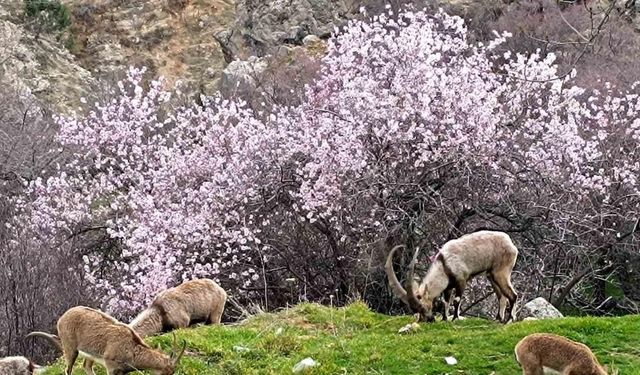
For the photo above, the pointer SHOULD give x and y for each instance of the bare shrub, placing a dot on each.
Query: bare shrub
(36, 283)
(597, 39)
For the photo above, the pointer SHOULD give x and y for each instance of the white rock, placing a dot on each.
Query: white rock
(240, 349)
(539, 308)
(409, 328)
(305, 364)
(451, 361)
(311, 39)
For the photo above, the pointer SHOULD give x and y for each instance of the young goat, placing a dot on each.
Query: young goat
(191, 302)
(457, 262)
(18, 366)
(101, 338)
(544, 353)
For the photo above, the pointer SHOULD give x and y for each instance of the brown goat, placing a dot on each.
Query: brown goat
(191, 302)
(101, 338)
(18, 366)
(194, 301)
(457, 262)
(542, 353)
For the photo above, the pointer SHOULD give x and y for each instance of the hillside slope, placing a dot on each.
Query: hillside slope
(354, 340)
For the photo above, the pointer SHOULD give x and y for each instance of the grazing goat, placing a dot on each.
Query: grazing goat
(191, 302)
(101, 338)
(195, 301)
(18, 366)
(542, 353)
(457, 262)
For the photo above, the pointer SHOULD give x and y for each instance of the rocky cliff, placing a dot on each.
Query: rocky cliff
(188, 40)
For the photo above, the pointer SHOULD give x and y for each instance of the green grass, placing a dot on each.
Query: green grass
(354, 340)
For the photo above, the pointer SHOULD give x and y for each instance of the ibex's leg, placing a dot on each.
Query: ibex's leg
(502, 300)
(532, 370)
(113, 368)
(460, 287)
(504, 282)
(88, 366)
(216, 314)
(70, 356)
(446, 295)
(180, 320)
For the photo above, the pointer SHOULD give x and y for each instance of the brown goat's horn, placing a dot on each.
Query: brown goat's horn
(184, 347)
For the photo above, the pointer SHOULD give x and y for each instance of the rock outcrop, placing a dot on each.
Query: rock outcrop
(41, 66)
(261, 25)
(539, 308)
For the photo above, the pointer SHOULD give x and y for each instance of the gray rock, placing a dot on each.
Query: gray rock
(310, 40)
(241, 74)
(539, 308)
(261, 25)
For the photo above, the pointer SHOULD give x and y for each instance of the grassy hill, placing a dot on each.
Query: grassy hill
(354, 340)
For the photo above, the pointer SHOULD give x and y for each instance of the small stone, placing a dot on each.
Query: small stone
(240, 349)
(452, 361)
(409, 328)
(305, 364)
(310, 40)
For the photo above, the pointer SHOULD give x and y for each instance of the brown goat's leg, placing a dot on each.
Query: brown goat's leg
(88, 366)
(113, 368)
(180, 320)
(216, 315)
(70, 356)
(532, 370)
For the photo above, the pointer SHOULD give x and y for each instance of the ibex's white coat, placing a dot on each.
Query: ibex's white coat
(18, 366)
(457, 262)
(101, 338)
(191, 302)
(544, 353)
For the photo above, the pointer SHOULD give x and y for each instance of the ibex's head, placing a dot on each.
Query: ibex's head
(416, 296)
(174, 358)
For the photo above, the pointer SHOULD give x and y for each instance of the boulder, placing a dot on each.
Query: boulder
(262, 25)
(242, 74)
(539, 308)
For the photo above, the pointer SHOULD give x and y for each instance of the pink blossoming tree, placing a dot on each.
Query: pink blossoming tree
(410, 130)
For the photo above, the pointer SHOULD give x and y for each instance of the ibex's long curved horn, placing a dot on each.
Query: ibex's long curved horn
(184, 347)
(412, 300)
(394, 283)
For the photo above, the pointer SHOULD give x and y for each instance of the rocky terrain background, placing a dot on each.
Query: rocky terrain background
(193, 41)
(188, 40)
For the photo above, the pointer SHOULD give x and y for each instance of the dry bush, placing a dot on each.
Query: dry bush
(37, 283)
(597, 39)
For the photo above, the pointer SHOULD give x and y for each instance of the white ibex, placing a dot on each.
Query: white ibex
(18, 366)
(195, 301)
(101, 338)
(457, 262)
(542, 353)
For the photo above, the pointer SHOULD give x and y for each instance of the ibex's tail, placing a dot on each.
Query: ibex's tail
(55, 340)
